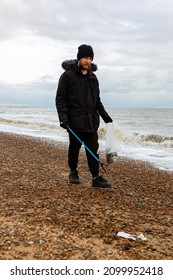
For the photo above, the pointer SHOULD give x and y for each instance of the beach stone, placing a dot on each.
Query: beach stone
(153, 249)
(8, 242)
(148, 230)
(130, 194)
(41, 241)
(139, 204)
(127, 247)
(79, 222)
(30, 242)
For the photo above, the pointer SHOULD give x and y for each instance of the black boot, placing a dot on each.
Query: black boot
(99, 182)
(73, 177)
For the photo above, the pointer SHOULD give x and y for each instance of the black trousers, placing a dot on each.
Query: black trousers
(90, 139)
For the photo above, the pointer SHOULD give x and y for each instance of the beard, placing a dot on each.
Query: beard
(84, 66)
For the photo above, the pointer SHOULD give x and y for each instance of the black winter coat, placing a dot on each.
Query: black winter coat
(78, 98)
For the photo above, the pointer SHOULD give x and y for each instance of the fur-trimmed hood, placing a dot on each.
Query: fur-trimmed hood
(70, 64)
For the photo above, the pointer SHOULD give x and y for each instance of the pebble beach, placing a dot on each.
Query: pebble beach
(44, 217)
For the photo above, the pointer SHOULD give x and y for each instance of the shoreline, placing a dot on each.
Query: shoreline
(64, 144)
(45, 217)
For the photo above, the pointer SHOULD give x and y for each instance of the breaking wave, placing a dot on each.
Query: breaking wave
(130, 137)
(41, 126)
(167, 141)
(122, 136)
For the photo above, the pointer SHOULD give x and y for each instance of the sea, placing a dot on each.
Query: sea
(142, 134)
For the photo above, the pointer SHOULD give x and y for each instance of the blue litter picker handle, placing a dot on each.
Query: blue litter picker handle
(83, 144)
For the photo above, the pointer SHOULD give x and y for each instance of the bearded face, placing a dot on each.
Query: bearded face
(85, 63)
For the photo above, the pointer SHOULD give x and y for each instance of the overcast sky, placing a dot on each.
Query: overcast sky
(132, 42)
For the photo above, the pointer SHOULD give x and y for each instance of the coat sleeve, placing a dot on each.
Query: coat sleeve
(61, 97)
(101, 109)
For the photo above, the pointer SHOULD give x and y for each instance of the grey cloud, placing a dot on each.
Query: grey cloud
(132, 41)
(40, 92)
(69, 20)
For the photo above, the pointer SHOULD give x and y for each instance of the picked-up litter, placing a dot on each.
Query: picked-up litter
(112, 144)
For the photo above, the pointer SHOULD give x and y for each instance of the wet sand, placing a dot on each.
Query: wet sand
(45, 217)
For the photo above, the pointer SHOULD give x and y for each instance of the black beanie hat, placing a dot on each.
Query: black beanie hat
(85, 51)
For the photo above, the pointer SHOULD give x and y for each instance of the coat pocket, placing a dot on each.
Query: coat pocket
(77, 120)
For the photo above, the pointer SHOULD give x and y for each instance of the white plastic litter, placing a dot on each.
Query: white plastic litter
(142, 237)
(112, 143)
(131, 236)
(126, 235)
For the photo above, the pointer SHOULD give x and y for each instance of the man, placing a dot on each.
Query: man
(79, 106)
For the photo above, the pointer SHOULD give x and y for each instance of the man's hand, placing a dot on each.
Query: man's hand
(64, 124)
(108, 120)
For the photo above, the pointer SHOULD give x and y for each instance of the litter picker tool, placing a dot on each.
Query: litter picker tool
(103, 165)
